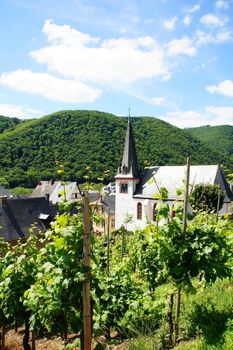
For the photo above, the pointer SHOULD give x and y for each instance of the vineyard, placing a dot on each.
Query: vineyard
(164, 284)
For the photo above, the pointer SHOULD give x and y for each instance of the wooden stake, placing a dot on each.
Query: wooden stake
(218, 203)
(108, 241)
(176, 323)
(87, 273)
(185, 212)
(3, 337)
(33, 340)
(186, 194)
(169, 317)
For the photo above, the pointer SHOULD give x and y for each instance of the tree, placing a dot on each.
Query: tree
(206, 197)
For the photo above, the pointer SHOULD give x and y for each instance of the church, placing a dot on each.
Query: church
(135, 192)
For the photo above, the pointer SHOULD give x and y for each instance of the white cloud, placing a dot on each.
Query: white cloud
(182, 46)
(220, 114)
(203, 38)
(23, 112)
(157, 101)
(170, 24)
(187, 20)
(192, 9)
(55, 89)
(95, 61)
(206, 63)
(224, 88)
(183, 119)
(212, 20)
(220, 4)
(222, 37)
(210, 115)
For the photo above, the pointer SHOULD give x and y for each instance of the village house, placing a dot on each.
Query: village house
(18, 215)
(57, 191)
(136, 192)
(105, 207)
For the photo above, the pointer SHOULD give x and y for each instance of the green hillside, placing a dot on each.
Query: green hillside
(217, 138)
(90, 138)
(7, 123)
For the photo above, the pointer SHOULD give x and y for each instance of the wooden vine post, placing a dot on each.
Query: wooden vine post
(185, 212)
(108, 241)
(87, 274)
(2, 338)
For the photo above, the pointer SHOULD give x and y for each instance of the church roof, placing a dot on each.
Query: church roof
(129, 164)
(173, 178)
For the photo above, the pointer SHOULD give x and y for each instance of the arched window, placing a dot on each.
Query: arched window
(124, 169)
(155, 211)
(123, 187)
(139, 211)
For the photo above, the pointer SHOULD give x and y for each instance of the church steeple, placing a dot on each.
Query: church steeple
(129, 165)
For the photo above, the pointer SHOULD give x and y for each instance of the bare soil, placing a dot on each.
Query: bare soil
(14, 340)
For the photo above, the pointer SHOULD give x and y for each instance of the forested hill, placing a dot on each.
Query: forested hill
(79, 139)
(7, 123)
(216, 138)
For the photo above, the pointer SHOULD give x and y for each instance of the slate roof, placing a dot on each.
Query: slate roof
(4, 192)
(93, 195)
(18, 214)
(172, 178)
(43, 188)
(70, 189)
(109, 203)
(129, 164)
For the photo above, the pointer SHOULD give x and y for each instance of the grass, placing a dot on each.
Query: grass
(206, 321)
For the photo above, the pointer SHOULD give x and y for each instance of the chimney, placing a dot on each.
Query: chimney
(3, 201)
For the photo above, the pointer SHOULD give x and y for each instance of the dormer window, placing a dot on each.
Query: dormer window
(123, 187)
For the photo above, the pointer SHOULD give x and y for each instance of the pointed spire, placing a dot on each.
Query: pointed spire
(129, 163)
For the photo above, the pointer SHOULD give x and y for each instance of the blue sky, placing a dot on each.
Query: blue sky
(171, 59)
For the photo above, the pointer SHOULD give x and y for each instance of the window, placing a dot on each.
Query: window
(139, 211)
(124, 170)
(124, 187)
(155, 211)
(113, 223)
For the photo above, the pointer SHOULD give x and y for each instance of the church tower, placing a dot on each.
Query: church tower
(126, 180)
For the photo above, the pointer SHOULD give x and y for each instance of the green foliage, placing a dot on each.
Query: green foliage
(218, 138)
(21, 191)
(7, 123)
(167, 253)
(208, 313)
(143, 343)
(18, 269)
(45, 285)
(82, 139)
(4, 182)
(206, 197)
(113, 296)
(55, 297)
